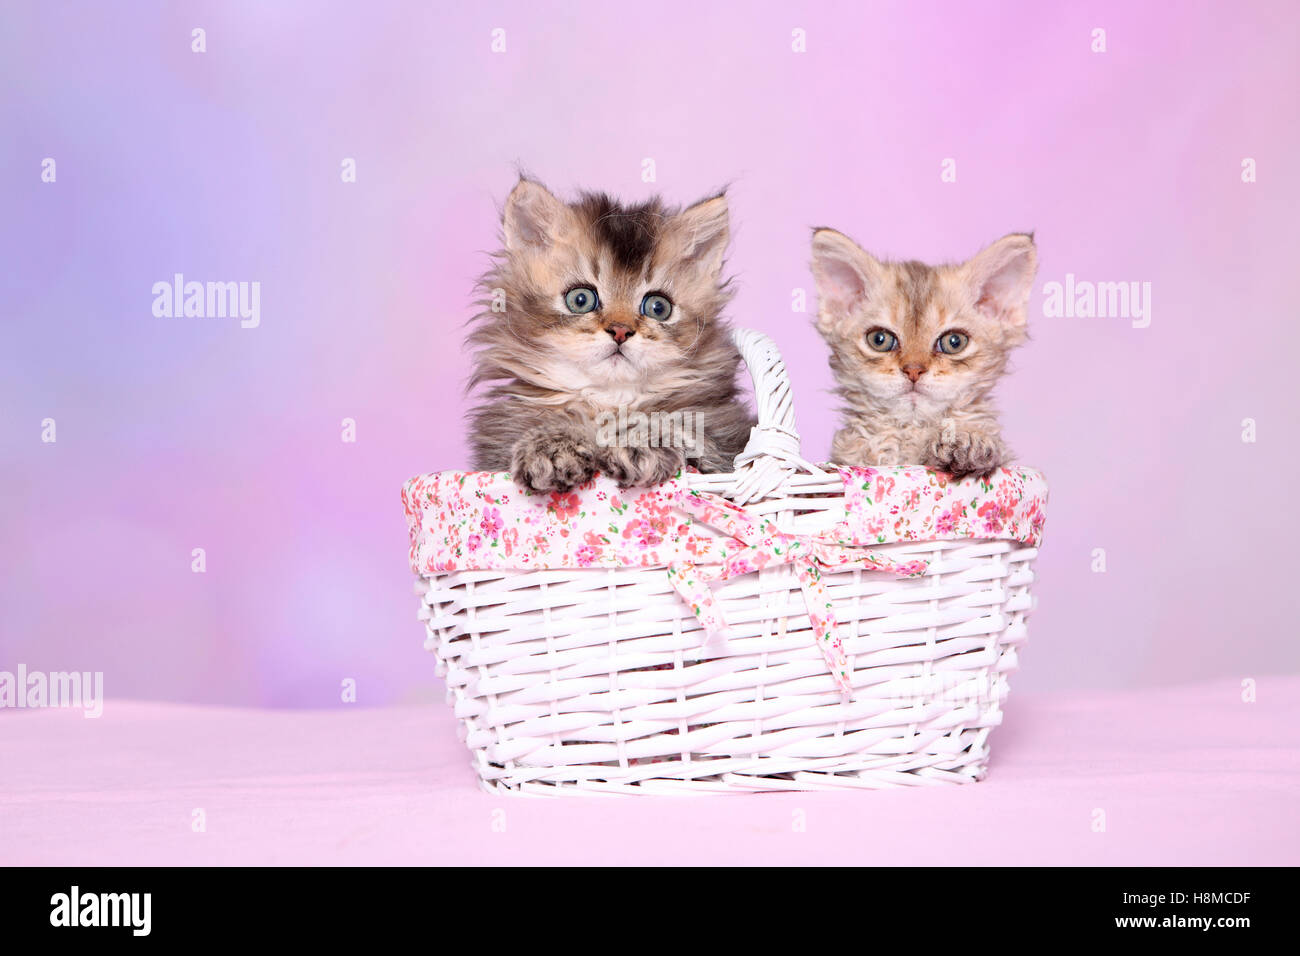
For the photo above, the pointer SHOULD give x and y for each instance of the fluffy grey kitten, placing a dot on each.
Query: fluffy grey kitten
(601, 346)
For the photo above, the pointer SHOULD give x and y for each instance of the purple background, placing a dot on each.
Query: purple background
(181, 433)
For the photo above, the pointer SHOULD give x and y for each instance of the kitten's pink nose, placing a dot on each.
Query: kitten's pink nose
(913, 371)
(621, 333)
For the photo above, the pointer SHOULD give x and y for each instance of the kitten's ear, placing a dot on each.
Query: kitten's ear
(846, 276)
(699, 234)
(1002, 276)
(533, 217)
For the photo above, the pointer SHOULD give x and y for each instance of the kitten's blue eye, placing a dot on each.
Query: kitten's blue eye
(581, 299)
(656, 306)
(881, 340)
(950, 343)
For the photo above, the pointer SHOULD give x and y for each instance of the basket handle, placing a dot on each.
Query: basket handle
(772, 453)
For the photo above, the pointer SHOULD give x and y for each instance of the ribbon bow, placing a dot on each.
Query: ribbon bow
(758, 544)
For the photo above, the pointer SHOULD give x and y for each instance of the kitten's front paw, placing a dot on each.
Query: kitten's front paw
(553, 462)
(639, 467)
(962, 453)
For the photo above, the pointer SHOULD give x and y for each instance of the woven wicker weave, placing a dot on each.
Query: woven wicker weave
(592, 681)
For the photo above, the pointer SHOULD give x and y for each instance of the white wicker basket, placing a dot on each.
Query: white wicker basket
(599, 680)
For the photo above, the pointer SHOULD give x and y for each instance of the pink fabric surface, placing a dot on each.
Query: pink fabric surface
(1184, 775)
(483, 520)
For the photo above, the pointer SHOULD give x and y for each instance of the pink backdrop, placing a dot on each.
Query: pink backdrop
(183, 433)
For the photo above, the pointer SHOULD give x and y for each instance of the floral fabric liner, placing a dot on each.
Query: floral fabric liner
(484, 521)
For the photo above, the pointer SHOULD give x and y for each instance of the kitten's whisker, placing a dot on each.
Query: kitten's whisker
(699, 334)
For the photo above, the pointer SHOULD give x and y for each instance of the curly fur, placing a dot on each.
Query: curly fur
(915, 404)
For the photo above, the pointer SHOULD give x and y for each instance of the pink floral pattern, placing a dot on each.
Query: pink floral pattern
(906, 503)
(483, 520)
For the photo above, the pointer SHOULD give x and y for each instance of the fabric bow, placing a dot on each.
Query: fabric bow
(759, 544)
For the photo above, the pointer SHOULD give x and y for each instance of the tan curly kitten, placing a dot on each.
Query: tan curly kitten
(916, 350)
